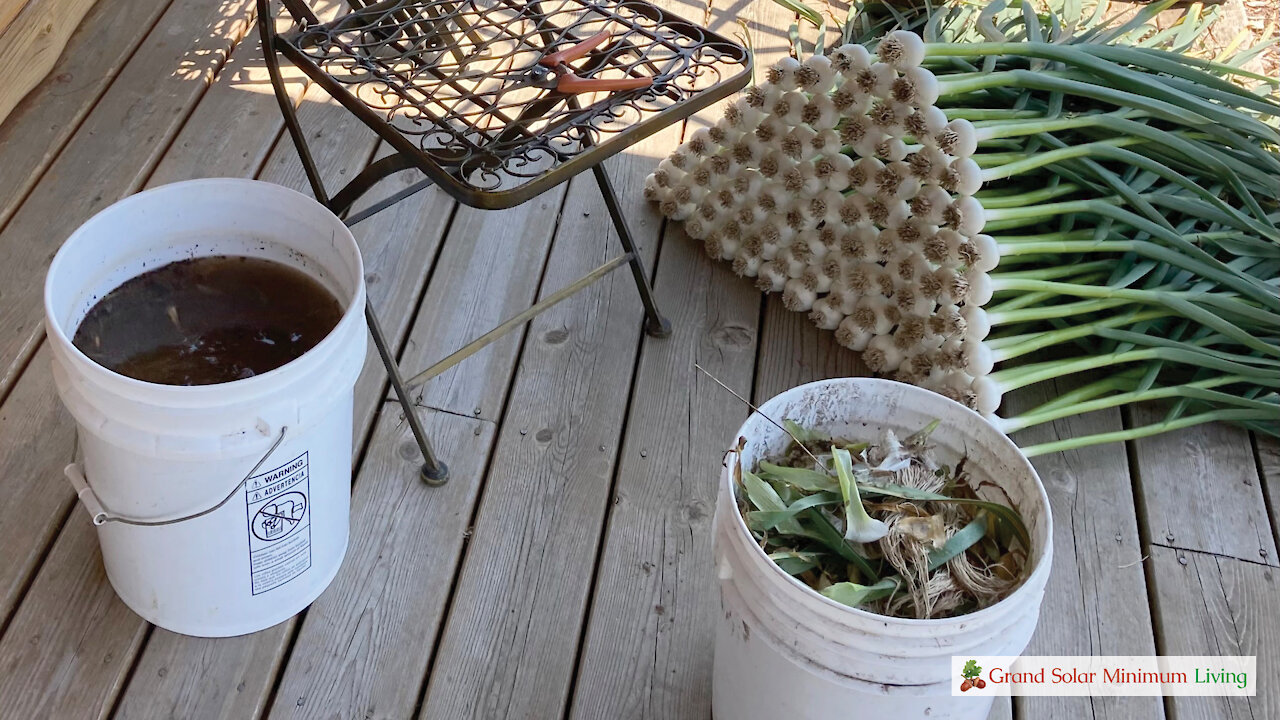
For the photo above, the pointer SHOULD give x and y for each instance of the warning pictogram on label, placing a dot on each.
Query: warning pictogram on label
(279, 508)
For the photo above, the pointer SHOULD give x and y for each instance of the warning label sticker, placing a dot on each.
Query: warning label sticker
(279, 509)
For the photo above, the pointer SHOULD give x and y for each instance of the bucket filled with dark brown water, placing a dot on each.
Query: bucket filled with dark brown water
(207, 337)
(207, 320)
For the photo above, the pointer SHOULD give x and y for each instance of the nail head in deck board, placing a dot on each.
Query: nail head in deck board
(364, 645)
(794, 351)
(1201, 485)
(381, 630)
(1214, 605)
(1096, 600)
(184, 677)
(497, 256)
(523, 589)
(108, 159)
(657, 551)
(37, 439)
(72, 640)
(635, 662)
(38, 128)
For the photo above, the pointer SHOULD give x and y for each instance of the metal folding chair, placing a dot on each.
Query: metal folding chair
(472, 94)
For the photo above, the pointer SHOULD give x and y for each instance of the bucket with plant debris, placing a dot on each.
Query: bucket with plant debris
(865, 532)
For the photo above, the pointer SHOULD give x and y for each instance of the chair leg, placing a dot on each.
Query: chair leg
(434, 472)
(272, 60)
(654, 323)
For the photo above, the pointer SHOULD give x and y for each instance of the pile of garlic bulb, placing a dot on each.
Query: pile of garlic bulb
(839, 183)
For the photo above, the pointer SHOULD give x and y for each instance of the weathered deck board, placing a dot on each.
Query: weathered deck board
(234, 128)
(545, 498)
(1268, 452)
(464, 305)
(42, 223)
(72, 641)
(366, 644)
(1184, 473)
(110, 156)
(1096, 600)
(30, 46)
(1215, 605)
(649, 638)
(793, 351)
(38, 128)
(177, 676)
(37, 439)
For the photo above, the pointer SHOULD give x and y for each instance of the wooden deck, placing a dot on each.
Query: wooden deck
(565, 571)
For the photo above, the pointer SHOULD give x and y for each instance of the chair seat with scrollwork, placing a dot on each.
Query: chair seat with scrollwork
(474, 95)
(438, 80)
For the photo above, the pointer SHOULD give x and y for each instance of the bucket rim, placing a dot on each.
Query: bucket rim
(1043, 563)
(350, 315)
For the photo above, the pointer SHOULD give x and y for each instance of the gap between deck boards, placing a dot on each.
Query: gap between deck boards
(760, 346)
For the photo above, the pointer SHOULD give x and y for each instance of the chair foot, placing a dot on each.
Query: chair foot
(654, 324)
(433, 471)
(437, 476)
(657, 327)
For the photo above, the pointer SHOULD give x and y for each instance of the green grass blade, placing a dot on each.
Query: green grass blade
(802, 10)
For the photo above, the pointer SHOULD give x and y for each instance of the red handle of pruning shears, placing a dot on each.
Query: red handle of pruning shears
(575, 51)
(568, 82)
(573, 84)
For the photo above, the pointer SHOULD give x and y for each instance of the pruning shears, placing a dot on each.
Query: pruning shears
(553, 72)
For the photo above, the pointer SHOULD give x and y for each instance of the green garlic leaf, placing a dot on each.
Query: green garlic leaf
(854, 595)
(803, 478)
(859, 526)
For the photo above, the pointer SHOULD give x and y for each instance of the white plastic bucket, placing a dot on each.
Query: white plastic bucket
(784, 651)
(156, 455)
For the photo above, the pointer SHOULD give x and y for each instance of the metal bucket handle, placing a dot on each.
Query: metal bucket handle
(102, 516)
